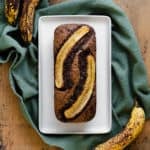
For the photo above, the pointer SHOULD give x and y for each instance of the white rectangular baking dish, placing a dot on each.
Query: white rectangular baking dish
(48, 122)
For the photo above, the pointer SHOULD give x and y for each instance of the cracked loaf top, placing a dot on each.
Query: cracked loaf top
(75, 72)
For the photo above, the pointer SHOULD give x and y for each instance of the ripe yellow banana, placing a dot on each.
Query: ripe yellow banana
(131, 131)
(11, 10)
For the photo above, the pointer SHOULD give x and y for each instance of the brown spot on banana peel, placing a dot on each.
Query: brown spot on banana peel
(85, 95)
(64, 51)
(27, 18)
(131, 131)
(11, 10)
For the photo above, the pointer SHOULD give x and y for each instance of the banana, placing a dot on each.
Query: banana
(131, 131)
(11, 10)
(64, 51)
(27, 18)
(83, 99)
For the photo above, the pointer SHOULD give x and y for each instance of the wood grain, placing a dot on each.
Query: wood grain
(17, 134)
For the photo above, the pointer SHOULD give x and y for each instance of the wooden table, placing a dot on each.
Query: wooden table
(17, 134)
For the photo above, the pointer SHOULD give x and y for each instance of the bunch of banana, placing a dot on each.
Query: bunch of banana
(12, 9)
(131, 131)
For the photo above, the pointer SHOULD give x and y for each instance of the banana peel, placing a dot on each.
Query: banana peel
(131, 131)
(12, 10)
(27, 19)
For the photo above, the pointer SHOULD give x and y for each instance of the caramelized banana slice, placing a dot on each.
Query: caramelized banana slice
(64, 51)
(85, 95)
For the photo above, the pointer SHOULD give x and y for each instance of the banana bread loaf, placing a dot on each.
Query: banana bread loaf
(74, 72)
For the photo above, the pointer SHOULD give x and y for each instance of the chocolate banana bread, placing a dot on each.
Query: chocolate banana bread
(74, 72)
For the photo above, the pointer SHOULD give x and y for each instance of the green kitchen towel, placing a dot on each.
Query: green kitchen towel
(129, 80)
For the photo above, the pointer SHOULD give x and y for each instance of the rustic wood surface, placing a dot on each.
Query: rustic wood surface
(17, 134)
